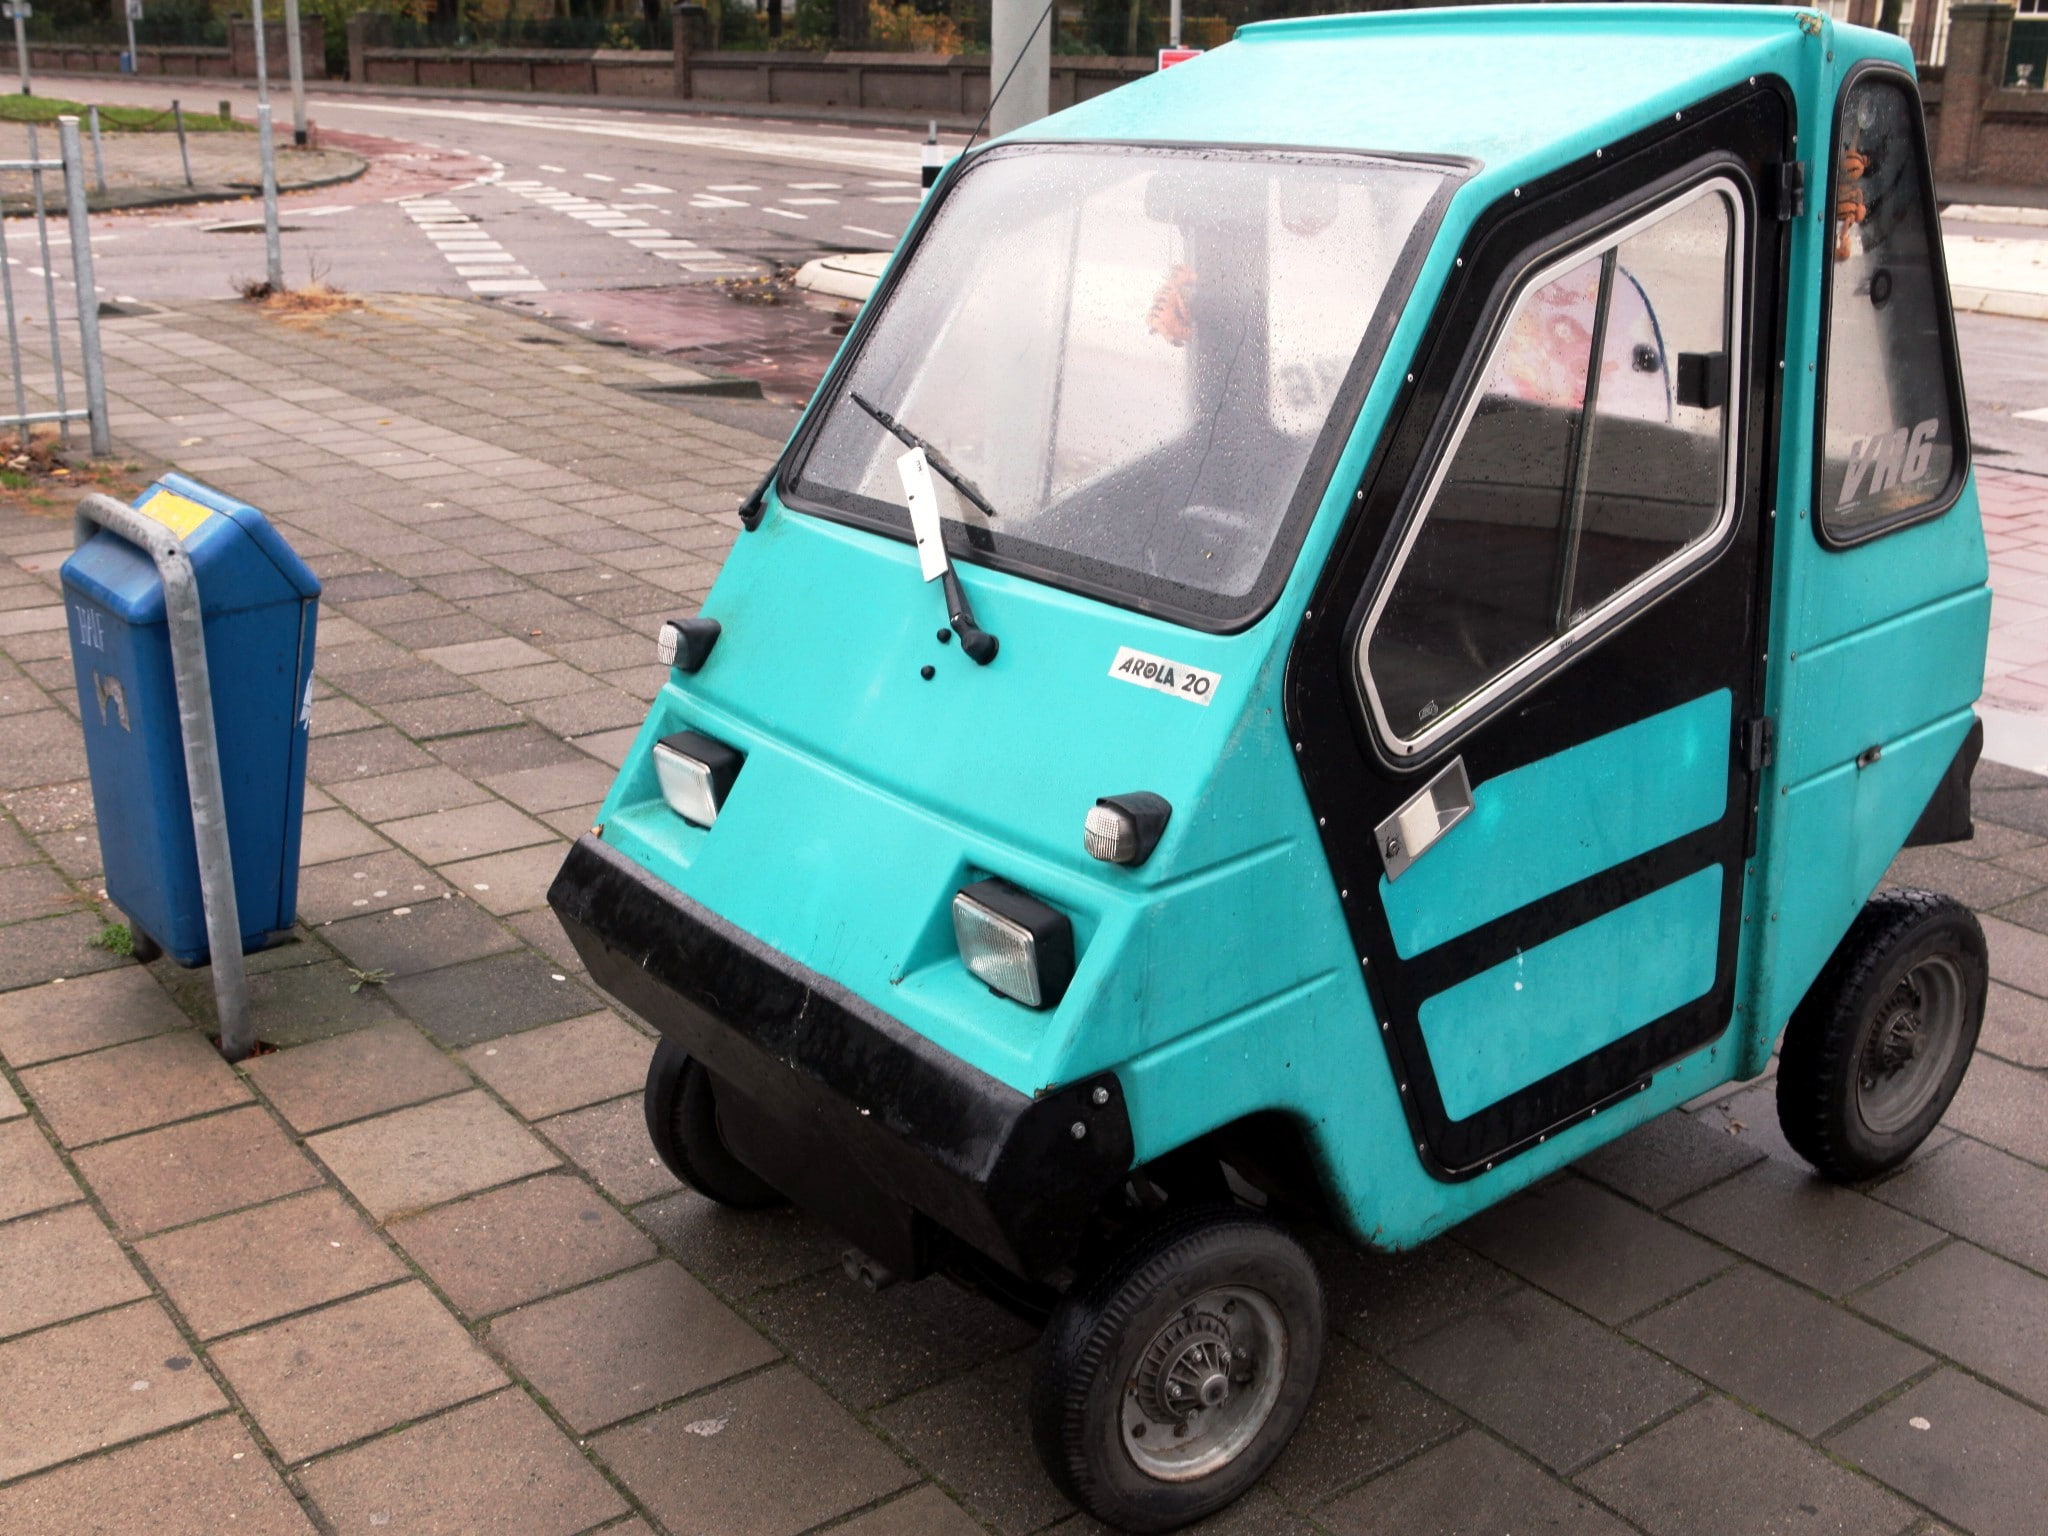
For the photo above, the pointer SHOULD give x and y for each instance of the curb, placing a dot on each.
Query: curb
(1999, 301)
(126, 201)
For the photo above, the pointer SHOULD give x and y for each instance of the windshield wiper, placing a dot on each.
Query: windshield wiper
(933, 457)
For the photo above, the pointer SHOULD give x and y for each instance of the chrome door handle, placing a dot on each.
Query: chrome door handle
(1428, 814)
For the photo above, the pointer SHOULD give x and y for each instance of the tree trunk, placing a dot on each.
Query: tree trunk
(850, 23)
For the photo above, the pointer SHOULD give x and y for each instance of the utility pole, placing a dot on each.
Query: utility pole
(1020, 53)
(273, 252)
(1173, 26)
(19, 10)
(298, 69)
(133, 9)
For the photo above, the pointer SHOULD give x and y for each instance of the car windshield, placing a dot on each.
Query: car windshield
(1137, 354)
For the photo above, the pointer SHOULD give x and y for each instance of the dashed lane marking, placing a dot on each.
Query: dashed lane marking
(638, 233)
(861, 229)
(785, 213)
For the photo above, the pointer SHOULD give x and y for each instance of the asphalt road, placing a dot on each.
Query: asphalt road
(565, 209)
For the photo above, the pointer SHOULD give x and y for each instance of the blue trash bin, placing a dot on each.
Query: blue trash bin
(259, 602)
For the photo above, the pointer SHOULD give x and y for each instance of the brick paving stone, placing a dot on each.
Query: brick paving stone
(415, 792)
(362, 755)
(132, 1087)
(520, 1243)
(769, 1456)
(95, 1383)
(496, 1465)
(1364, 1417)
(505, 883)
(1966, 1451)
(564, 1066)
(408, 940)
(10, 1101)
(868, 1348)
(627, 1344)
(1980, 1311)
(351, 887)
(1778, 1348)
(43, 747)
(34, 890)
(31, 1177)
(555, 787)
(924, 1512)
(328, 835)
(610, 746)
(1749, 1118)
(60, 1265)
(64, 1018)
(609, 1142)
(454, 714)
(1817, 1233)
(470, 832)
(494, 752)
(1467, 1486)
(36, 951)
(327, 1378)
(485, 655)
(517, 685)
(2004, 1105)
(385, 1066)
(188, 1172)
(1591, 1248)
(2015, 1027)
(1381, 1300)
(462, 1004)
(1670, 1157)
(307, 1002)
(414, 1158)
(245, 1269)
(1715, 1469)
(2019, 956)
(969, 1433)
(738, 1253)
(1978, 883)
(1545, 1379)
(198, 1481)
(1978, 1192)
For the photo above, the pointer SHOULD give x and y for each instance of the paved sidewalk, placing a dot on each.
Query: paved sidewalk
(143, 169)
(419, 1270)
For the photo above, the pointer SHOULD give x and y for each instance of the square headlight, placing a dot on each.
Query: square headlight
(1014, 942)
(695, 774)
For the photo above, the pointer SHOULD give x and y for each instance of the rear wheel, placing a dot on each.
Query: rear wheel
(1168, 1383)
(682, 1121)
(1879, 1045)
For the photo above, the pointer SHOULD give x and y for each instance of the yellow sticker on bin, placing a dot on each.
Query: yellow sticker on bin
(178, 513)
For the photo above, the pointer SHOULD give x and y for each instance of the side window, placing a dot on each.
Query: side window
(1594, 456)
(1891, 420)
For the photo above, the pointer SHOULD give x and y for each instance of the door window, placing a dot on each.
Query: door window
(1594, 459)
(1892, 423)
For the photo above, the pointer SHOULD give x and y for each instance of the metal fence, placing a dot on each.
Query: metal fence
(36, 401)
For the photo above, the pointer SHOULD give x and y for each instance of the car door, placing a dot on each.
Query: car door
(1525, 696)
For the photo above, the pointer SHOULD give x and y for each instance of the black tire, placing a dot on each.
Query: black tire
(1110, 1375)
(1878, 1046)
(682, 1121)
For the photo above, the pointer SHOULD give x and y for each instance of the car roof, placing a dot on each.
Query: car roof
(1517, 88)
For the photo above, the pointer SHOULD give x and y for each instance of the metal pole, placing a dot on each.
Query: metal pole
(134, 63)
(1020, 53)
(273, 255)
(184, 155)
(1173, 25)
(88, 291)
(49, 287)
(13, 335)
(298, 71)
(21, 43)
(184, 619)
(99, 161)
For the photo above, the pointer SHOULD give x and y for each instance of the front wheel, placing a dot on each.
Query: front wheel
(682, 1121)
(1168, 1383)
(1879, 1045)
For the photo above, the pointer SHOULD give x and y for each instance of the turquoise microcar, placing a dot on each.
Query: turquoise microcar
(1354, 620)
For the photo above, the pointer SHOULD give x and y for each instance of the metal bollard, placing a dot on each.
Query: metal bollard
(273, 253)
(88, 292)
(184, 155)
(18, 9)
(99, 161)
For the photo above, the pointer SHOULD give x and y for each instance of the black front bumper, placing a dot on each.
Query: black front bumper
(875, 1130)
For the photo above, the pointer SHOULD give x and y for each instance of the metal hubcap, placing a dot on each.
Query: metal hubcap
(1911, 1046)
(1205, 1385)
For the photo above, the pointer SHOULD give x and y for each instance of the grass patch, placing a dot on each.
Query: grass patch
(114, 938)
(47, 109)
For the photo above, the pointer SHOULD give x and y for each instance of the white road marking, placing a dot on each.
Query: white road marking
(785, 213)
(507, 285)
(717, 202)
(814, 186)
(859, 229)
(892, 183)
(733, 186)
(809, 202)
(2039, 413)
(559, 170)
(648, 189)
(895, 199)
(476, 257)
(593, 176)
(637, 233)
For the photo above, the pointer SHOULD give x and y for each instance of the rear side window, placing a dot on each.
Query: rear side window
(1591, 462)
(1893, 431)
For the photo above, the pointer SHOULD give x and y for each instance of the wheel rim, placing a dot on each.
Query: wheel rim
(1909, 1050)
(1205, 1385)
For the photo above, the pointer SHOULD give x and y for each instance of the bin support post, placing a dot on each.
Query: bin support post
(202, 754)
